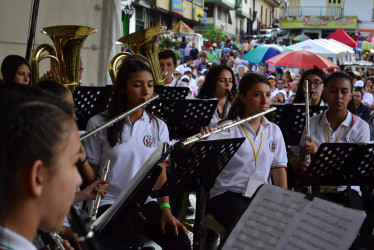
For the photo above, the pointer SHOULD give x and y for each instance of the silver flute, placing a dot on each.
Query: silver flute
(223, 127)
(307, 158)
(51, 240)
(96, 203)
(116, 119)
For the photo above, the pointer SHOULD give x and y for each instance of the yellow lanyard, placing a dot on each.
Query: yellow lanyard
(327, 136)
(253, 148)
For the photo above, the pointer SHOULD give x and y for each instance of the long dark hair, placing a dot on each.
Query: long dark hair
(245, 84)
(210, 83)
(342, 75)
(299, 97)
(10, 65)
(130, 65)
(34, 128)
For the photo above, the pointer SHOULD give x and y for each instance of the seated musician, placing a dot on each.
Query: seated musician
(168, 63)
(219, 83)
(337, 124)
(261, 157)
(128, 144)
(39, 150)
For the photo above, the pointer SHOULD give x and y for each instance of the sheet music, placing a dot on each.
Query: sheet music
(326, 226)
(282, 219)
(267, 222)
(101, 222)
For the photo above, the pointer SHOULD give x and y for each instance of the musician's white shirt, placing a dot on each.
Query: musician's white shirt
(176, 83)
(12, 240)
(139, 141)
(235, 175)
(355, 130)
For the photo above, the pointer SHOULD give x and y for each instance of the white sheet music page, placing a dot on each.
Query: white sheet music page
(326, 225)
(268, 221)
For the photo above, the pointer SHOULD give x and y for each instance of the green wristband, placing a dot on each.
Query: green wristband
(165, 205)
(291, 160)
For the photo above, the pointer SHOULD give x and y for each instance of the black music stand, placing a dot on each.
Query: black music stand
(90, 101)
(132, 199)
(198, 171)
(171, 93)
(291, 120)
(184, 117)
(337, 164)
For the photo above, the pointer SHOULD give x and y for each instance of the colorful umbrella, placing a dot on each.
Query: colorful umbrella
(365, 45)
(262, 53)
(302, 59)
(301, 38)
(182, 27)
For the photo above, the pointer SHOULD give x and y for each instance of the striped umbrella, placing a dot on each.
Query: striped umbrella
(182, 27)
(301, 38)
(262, 53)
(365, 45)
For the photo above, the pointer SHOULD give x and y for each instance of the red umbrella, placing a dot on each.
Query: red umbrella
(302, 59)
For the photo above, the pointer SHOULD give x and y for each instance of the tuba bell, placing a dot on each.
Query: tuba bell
(144, 42)
(68, 41)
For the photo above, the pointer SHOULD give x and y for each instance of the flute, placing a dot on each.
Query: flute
(223, 127)
(307, 158)
(116, 119)
(96, 203)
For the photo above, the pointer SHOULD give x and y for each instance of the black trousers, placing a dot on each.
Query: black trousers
(122, 229)
(227, 207)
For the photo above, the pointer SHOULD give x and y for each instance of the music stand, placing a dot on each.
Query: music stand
(133, 197)
(184, 117)
(198, 171)
(171, 93)
(291, 120)
(90, 101)
(337, 164)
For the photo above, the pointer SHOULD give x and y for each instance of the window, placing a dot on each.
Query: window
(229, 17)
(219, 12)
(198, 2)
(210, 9)
(294, 8)
(266, 16)
(334, 8)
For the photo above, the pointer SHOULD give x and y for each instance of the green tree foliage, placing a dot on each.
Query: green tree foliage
(215, 33)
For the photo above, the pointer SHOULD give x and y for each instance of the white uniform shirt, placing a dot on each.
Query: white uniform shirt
(355, 130)
(181, 68)
(274, 92)
(215, 119)
(176, 83)
(235, 175)
(12, 240)
(138, 142)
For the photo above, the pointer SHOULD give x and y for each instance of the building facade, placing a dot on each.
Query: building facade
(319, 18)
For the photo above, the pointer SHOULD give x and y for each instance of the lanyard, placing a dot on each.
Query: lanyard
(327, 136)
(253, 148)
(4, 247)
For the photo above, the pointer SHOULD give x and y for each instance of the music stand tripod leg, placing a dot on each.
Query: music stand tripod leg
(198, 226)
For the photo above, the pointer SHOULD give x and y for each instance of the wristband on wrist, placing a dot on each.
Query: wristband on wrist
(165, 205)
(291, 160)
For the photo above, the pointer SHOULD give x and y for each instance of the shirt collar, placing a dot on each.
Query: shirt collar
(348, 121)
(12, 240)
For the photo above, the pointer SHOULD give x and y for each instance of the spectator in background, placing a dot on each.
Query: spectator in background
(245, 46)
(194, 52)
(182, 47)
(231, 64)
(367, 97)
(212, 57)
(282, 96)
(273, 88)
(181, 68)
(362, 110)
(204, 61)
(294, 85)
(265, 70)
(187, 50)
(240, 70)
(216, 51)
(240, 61)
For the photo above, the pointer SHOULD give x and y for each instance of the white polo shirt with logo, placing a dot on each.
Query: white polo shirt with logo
(139, 140)
(235, 175)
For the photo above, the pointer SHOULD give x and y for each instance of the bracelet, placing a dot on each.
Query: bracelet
(165, 205)
(291, 160)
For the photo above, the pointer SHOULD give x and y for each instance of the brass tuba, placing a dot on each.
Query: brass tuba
(68, 41)
(144, 42)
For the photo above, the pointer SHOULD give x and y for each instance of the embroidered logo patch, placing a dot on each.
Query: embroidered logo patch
(148, 141)
(272, 146)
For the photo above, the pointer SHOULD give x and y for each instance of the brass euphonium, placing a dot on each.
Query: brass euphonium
(144, 42)
(68, 41)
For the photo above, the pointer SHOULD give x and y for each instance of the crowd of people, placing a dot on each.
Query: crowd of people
(41, 152)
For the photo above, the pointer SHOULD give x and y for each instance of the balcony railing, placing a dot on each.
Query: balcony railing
(312, 11)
